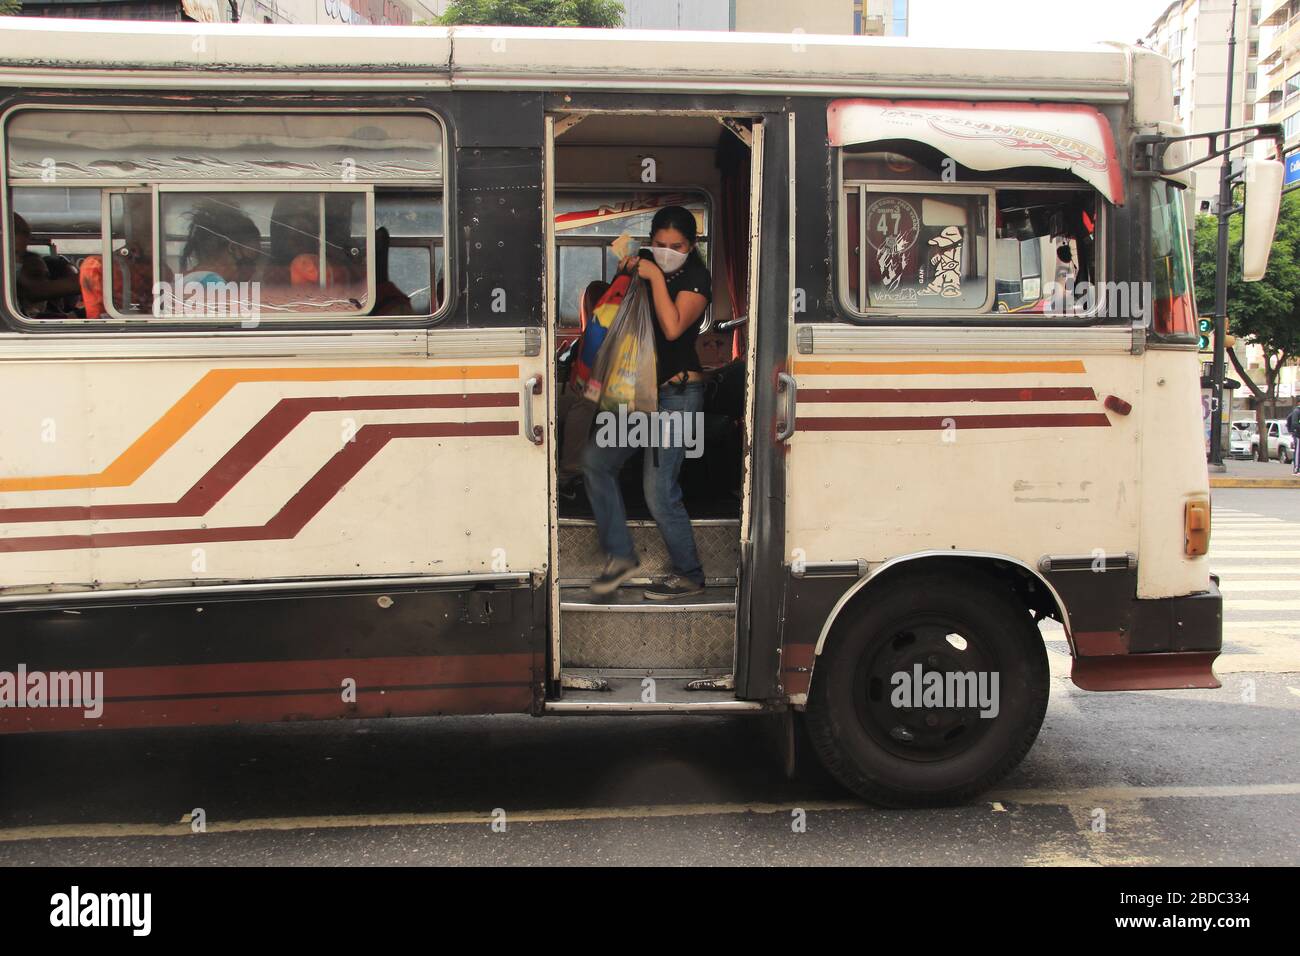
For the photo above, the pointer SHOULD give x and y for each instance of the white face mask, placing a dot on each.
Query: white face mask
(669, 260)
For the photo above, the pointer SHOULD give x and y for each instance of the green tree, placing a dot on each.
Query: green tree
(10, 8)
(1265, 312)
(534, 13)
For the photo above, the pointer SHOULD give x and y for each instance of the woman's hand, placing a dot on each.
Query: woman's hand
(645, 268)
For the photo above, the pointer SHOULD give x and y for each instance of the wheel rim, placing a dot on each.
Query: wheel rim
(938, 645)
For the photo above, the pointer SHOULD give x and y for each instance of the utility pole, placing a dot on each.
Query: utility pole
(1221, 267)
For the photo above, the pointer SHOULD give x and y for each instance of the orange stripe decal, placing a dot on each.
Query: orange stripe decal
(1067, 366)
(190, 408)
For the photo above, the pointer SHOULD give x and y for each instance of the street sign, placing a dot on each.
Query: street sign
(1292, 172)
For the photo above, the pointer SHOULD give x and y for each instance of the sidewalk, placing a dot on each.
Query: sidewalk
(1254, 474)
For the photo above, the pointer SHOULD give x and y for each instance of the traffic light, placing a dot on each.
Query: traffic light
(1204, 328)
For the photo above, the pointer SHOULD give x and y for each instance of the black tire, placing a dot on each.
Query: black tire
(928, 756)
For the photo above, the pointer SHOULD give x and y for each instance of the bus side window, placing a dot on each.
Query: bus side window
(336, 215)
(51, 232)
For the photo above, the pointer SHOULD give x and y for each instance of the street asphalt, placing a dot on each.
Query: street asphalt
(1174, 777)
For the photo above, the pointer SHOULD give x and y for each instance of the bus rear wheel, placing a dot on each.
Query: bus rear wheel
(932, 695)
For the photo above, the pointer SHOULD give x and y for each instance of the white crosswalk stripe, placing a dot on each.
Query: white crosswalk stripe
(1257, 559)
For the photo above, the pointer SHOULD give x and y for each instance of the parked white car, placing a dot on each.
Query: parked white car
(1241, 439)
(1280, 444)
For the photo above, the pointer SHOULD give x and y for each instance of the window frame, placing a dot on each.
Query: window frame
(632, 189)
(367, 190)
(443, 190)
(989, 316)
(865, 186)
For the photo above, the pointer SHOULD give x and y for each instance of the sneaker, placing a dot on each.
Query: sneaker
(673, 588)
(568, 488)
(617, 570)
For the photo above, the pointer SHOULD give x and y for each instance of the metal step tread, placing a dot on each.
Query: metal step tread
(718, 599)
(643, 581)
(670, 696)
(649, 522)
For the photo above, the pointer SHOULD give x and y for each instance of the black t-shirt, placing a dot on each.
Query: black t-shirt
(679, 356)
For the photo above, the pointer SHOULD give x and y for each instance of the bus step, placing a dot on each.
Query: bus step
(695, 634)
(716, 539)
(648, 694)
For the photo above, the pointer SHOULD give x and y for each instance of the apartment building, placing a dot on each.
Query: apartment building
(1279, 99)
(339, 12)
(756, 16)
(1194, 35)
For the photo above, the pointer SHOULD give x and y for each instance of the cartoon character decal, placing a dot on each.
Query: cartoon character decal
(945, 264)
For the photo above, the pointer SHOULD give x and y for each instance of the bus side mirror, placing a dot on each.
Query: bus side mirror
(1263, 198)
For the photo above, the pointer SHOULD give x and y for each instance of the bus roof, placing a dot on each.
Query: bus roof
(77, 53)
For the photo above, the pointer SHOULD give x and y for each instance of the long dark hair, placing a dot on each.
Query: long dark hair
(214, 227)
(681, 219)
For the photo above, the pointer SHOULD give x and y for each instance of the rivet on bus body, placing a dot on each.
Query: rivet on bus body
(385, 601)
(1160, 381)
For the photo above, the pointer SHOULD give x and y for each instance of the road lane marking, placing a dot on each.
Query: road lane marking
(1230, 571)
(1086, 796)
(1249, 584)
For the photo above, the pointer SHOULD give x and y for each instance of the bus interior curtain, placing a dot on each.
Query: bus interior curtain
(733, 228)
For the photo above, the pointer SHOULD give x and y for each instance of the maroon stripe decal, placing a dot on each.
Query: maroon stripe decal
(934, 422)
(297, 511)
(245, 454)
(271, 708)
(946, 395)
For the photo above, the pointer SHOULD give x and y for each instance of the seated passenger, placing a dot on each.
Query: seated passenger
(296, 254)
(132, 266)
(389, 299)
(223, 245)
(35, 287)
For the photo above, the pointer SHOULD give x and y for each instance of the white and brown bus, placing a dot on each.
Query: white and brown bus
(954, 389)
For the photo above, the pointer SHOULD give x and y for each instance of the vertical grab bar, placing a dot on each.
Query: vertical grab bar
(533, 386)
(787, 385)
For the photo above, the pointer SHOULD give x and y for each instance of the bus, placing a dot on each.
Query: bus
(952, 413)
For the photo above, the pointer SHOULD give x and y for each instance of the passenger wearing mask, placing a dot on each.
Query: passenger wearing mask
(680, 288)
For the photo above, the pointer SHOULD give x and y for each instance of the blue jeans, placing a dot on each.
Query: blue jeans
(663, 493)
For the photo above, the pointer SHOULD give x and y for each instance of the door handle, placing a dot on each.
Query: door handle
(790, 389)
(533, 386)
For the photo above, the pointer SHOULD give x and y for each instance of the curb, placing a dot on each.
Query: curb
(1255, 482)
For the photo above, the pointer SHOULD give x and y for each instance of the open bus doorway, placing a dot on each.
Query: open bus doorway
(612, 173)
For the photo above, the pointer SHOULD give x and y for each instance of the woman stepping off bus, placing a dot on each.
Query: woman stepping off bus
(680, 287)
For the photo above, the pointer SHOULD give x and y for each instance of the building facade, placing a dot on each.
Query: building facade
(1194, 35)
(880, 18)
(342, 12)
(768, 16)
(1279, 99)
